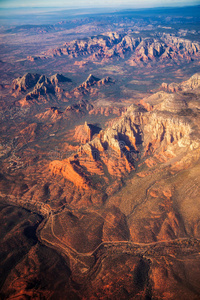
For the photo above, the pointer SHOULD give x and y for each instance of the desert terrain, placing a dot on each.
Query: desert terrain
(100, 154)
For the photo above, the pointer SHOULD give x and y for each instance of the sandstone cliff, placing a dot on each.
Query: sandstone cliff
(135, 134)
(83, 133)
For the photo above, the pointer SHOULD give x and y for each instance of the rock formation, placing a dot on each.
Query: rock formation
(53, 114)
(37, 86)
(112, 45)
(42, 87)
(165, 102)
(173, 103)
(108, 110)
(26, 82)
(83, 133)
(190, 84)
(90, 86)
(134, 134)
(70, 170)
(33, 58)
(58, 78)
(122, 206)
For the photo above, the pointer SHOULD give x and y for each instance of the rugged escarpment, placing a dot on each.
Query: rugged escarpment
(36, 81)
(115, 45)
(36, 87)
(70, 170)
(116, 150)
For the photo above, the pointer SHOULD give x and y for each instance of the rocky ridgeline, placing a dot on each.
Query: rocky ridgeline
(92, 80)
(90, 86)
(108, 110)
(40, 85)
(159, 132)
(181, 44)
(29, 80)
(192, 83)
(112, 44)
(135, 134)
(25, 82)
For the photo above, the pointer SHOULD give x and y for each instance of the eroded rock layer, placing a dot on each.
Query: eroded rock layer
(121, 204)
(112, 45)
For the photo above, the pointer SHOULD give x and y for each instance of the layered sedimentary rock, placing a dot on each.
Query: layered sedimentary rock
(108, 110)
(112, 45)
(123, 209)
(70, 170)
(163, 101)
(37, 86)
(174, 103)
(42, 87)
(134, 134)
(190, 84)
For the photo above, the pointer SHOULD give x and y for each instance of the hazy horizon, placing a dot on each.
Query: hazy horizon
(98, 3)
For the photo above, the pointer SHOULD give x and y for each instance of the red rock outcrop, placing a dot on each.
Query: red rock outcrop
(118, 146)
(112, 45)
(58, 78)
(53, 114)
(33, 58)
(70, 170)
(41, 87)
(83, 133)
(24, 83)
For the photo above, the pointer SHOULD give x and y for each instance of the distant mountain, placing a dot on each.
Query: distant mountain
(113, 45)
